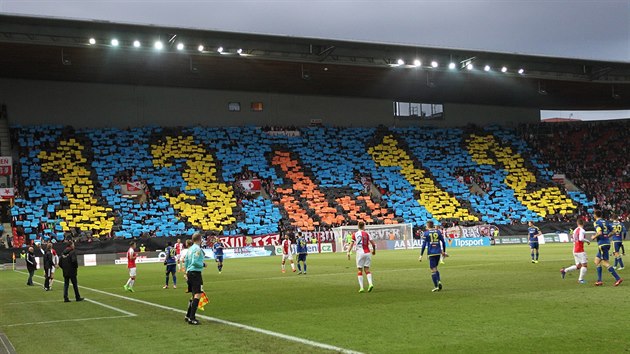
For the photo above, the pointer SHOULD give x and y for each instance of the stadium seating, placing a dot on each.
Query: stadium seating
(594, 155)
(71, 179)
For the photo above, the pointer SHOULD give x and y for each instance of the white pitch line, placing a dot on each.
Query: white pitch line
(228, 323)
(6, 343)
(69, 320)
(94, 302)
(112, 308)
(30, 302)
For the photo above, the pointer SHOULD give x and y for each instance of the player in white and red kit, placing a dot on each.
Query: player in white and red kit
(131, 266)
(362, 241)
(178, 255)
(287, 253)
(579, 254)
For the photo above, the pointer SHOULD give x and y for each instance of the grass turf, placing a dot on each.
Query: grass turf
(494, 300)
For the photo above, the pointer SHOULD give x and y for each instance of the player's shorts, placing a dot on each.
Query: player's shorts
(132, 272)
(434, 260)
(603, 251)
(195, 282)
(287, 256)
(218, 259)
(617, 246)
(364, 259)
(171, 268)
(580, 258)
(533, 245)
(302, 257)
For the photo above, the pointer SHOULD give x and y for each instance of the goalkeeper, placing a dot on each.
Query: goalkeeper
(349, 241)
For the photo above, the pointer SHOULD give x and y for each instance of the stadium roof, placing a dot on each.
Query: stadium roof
(59, 49)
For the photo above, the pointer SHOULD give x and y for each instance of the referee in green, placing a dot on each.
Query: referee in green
(194, 265)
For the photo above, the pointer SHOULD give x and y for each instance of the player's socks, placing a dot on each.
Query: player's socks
(613, 272)
(435, 279)
(360, 278)
(570, 269)
(582, 272)
(220, 267)
(174, 281)
(532, 256)
(189, 308)
(438, 276)
(193, 308)
(599, 273)
(166, 281)
(293, 267)
(616, 262)
(620, 262)
(369, 276)
(537, 254)
(299, 267)
(304, 268)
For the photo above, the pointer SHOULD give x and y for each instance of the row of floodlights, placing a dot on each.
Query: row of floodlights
(159, 46)
(452, 66)
(416, 63)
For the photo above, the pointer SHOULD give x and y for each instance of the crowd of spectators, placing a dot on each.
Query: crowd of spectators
(593, 155)
(471, 178)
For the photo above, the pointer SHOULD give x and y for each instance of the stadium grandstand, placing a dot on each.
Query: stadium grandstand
(121, 143)
(235, 134)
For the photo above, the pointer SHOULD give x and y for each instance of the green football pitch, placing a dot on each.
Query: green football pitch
(494, 300)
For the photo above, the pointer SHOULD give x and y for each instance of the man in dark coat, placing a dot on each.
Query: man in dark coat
(48, 266)
(31, 265)
(69, 265)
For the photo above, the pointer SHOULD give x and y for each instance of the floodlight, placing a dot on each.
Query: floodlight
(220, 49)
(136, 44)
(200, 48)
(434, 64)
(504, 69)
(115, 42)
(469, 66)
(180, 46)
(92, 41)
(451, 66)
(417, 62)
(401, 62)
(239, 51)
(521, 71)
(486, 68)
(158, 45)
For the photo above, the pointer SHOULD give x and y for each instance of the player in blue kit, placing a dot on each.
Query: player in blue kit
(302, 251)
(533, 234)
(617, 230)
(171, 263)
(602, 235)
(436, 247)
(217, 248)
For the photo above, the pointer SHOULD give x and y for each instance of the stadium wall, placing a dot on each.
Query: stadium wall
(96, 105)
